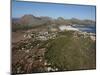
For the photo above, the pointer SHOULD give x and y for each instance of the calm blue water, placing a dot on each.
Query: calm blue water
(86, 28)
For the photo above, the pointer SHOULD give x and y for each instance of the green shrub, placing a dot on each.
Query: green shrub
(68, 53)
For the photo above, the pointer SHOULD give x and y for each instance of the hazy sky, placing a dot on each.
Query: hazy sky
(53, 10)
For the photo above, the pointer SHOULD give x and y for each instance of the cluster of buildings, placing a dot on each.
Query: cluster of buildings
(56, 28)
(65, 28)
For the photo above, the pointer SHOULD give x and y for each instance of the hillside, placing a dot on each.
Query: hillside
(52, 51)
(30, 21)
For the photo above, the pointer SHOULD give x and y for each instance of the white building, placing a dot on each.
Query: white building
(64, 27)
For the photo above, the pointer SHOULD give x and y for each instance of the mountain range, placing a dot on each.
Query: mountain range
(32, 20)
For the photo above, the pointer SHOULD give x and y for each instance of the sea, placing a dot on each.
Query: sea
(86, 28)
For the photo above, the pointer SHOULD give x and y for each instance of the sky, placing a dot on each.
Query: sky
(53, 10)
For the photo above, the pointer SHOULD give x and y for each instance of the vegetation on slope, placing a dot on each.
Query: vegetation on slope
(71, 53)
(69, 50)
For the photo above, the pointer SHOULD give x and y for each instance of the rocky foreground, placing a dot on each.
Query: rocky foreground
(37, 52)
